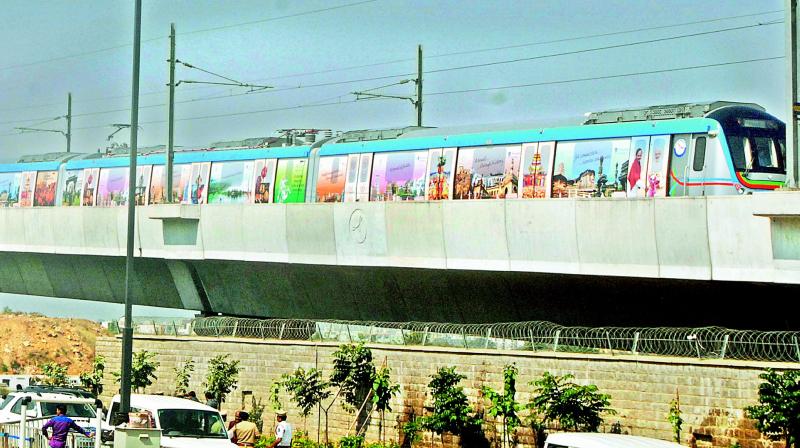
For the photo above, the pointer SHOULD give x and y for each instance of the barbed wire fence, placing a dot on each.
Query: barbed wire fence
(703, 343)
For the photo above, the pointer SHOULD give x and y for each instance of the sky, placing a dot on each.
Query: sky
(315, 52)
(484, 62)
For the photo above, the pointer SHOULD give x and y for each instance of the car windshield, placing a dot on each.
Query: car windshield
(191, 423)
(8, 400)
(74, 410)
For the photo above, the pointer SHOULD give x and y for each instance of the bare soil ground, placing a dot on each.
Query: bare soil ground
(27, 341)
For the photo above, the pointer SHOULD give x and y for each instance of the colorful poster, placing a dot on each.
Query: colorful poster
(440, 173)
(45, 193)
(399, 176)
(487, 172)
(71, 194)
(158, 188)
(263, 180)
(290, 181)
(657, 166)
(331, 179)
(590, 168)
(112, 189)
(27, 183)
(229, 183)
(364, 171)
(199, 187)
(90, 178)
(142, 184)
(352, 178)
(634, 171)
(182, 183)
(537, 165)
(9, 189)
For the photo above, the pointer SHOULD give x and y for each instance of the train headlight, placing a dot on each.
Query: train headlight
(739, 188)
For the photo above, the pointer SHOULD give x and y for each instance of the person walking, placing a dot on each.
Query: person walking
(211, 401)
(283, 432)
(245, 432)
(61, 424)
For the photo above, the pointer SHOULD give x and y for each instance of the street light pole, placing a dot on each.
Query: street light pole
(69, 121)
(127, 330)
(170, 140)
(794, 108)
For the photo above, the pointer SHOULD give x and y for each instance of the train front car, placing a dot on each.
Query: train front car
(756, 147)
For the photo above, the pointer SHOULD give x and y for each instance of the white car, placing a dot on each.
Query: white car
(603, 440)
(11, 408)
(183, 423)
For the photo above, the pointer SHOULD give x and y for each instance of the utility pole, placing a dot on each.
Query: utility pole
(367, 94)
(418, 104)
(171, 141)
(127, 330)
(69, 121)
(792, 180)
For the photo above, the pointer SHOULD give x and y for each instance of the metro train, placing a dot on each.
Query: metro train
(714, 148)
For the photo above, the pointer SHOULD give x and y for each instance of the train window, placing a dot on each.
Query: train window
(398, 176)
(290, 181)
(230, 182)
(331, 179)
(765, 152)
(699, 154)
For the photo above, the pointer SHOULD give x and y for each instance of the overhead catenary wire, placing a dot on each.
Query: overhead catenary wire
(448, 69)
(440, 55)
(333, 103)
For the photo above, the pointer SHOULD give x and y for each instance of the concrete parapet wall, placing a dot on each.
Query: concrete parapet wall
(713, 393)
(704, 238)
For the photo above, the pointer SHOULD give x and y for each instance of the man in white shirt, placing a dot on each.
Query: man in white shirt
(283, 431)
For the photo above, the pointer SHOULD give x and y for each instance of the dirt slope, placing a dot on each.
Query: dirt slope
(29, 340)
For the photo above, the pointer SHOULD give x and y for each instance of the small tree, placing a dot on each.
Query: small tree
(222, 378)
(275, 395)
(143, 370)
(504, 405)
(451, 409)
(778, 413)
(674, 417)
(382, 392)
(257, 413)
(93, 381)
(182, 376)
(55, 374)
(353, 372)
(560, 403)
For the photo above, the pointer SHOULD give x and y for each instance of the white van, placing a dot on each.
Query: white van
(602, 440)
(183, 423)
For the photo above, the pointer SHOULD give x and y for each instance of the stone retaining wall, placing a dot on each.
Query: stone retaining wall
(713, 393)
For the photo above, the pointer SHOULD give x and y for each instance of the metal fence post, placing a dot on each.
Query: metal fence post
(796, 347)
(403, 335)
(23, 422)
(555, 340)
(280, 334)
(635, 343)
(369, 335)
(488, 335)
(608, 339)
(464, 336)
(349, 335)
(235, 327)
(724, 347)
(530, 334)
(425, 336)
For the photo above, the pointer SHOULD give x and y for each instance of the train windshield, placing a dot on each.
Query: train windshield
(757, 140)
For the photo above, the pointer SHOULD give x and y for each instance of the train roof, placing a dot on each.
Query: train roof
(38, 162)
(441, 139)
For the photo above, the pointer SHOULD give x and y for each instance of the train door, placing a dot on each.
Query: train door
(697, 166)
(679, 166)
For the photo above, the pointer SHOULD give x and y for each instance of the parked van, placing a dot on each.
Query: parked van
(602, 440)
(183, 423)
(11, 408)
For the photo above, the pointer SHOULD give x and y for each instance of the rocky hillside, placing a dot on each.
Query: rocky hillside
(27, 341)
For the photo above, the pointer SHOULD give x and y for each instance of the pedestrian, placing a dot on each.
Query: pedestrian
(211, 401)
(245, 432)
(192, 396)
(237, 417)
(283, 432)
(61, 425)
